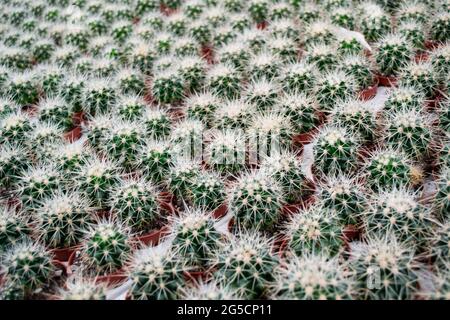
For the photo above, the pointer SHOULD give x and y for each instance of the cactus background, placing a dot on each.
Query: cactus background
(224, 149)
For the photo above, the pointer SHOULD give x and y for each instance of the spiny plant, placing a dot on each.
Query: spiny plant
(262, 93)
(360, 69)
(156, 122)
(258, 10)
(71, 90)
(99, 96)
(79, 288)
(187, 137)
(398, 210)
(254, 38)
(333, 86)
(393, 52)
(374, 21)
(387, 168)
(156, 275)
(343, 17)
(202, 106)
(284, 47)
(37, 183)
(70, 157)
(318, 32)
(255, 200)
(224, 80)
(444, 115)
(207, 191)
(385, 268)
(13, 160)
(440, 26)
(246, 264)
(236, 53)
(211, 290)
(22, 88)
(13, 227)
(263, 64)
(410, 131)
(130, 107)
(106, 246)
(186, 46)
(412, 11)
(55, 110)
(308, 12)
(439, 288)
(300, 109)
(442, 200)
(135, 202)
(298, 77)
(312, 277)
(324, 57)
(223, 35)
(77, 35)
(404, 98)
(344, 195)
(284, 27)
(14, 57)
(233, 114)
(419, 75)
(155, 159)
(62, 219)
(440, 59)
(27, 265)
(97, 129)
(192, 70)
(356, 117)
(335, 150)
(96, 178)
(316, 229)
(414, 33)
(121, 30)
(226, 151)
(195, 238)
(167, 86)
(43, 49)
(12, 290)
(50, 78)
(122, 143)
(142, 56)
(131, 81)
(285, 168)
(201, 31)
(181, 175)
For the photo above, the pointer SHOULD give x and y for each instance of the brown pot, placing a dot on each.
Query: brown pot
(262, 25)
(65, 265)
(221, 211)
(370, 92)
(431, 44)
(113, 278)
(422, 56)
(153, 237)
(73, 135)
(387, 81)
(64, 254)
(78, 118)
(281, 246)
(208, 53)
(303, 139)
(350, 233)
(291, 209)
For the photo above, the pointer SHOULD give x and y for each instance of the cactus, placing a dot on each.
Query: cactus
(322, 56)
(300, 109)
(71, 90)
(106, 247)
(22, 88)
(202, 106)
(12, 290)
(27, 265)
(142, 57)
(180, 176)
(343, 195)
(224, 80)
(201, 31)
(96, 178)
(263, 64)
(318, 32)
(77, 35)
(79, 288)
(360, 69)
(298, 77)
(442, 201)
(262, 93)
(130, 107)
(334, 86)
(15, 58)
(233, 114)
(255, 201)
(135, 203)
(389, 168)
(62, 219)
(207, 191)
(284, 47)
(440, 59)
(155, 159)
(393, 52)
(246, 264)
(385, 268)
(13, 227)
(404, 98)
(226, 151)
(356, 117)
(13, 160)
(419, 75)
(156, 123)
(440, 26)
(335, 150)
(195, 237)
(312, 277)
(186, 46)
(410, 131)
(286, 169)
(258, 10)
(284, 28)
(211, 290)
(315, 229)
(156, 275)
(308, 12)
(43, 50)
(122, 143)
(349, 45)
(54, 110)
(398, 211)
(414, 33)
(192, 72)
(37, 183)
(343, 17)
(375, 22)
(167, 86)
(131, 81)
(99, 96)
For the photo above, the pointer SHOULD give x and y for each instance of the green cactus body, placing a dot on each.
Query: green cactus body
(393, 53)
(13, 227)
(421, 76)
(333, 87)
(207, 191)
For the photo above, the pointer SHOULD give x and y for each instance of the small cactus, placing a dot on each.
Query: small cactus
(226, 151)
(442, 201)
(167, 86)
(211, 290)
(22, 88)
(99, 96)
(155, 159)
(404, 98)
(393, 53)
(13, 227)
(375, 22)
(360, 69)
(224, 80)
(202, 107)
(130, 107)
(13, 160)
(440, 26)
(262, 93)
(298, 77)
(334, 86)
(419, 75)
(156, 123)
(207, 191)
(54, 110)
(79, 288)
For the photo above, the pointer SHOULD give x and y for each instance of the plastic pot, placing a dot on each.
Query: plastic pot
(262, 25)
(73, 135)
(370, 92)
(422, 56)
(113, 278)
(221, 211)
(208, 54)
(153, 237)
(387, 81)
(78, 118)
(196, 276)
(350, 233)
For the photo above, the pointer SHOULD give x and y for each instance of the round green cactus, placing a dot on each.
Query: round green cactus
(404, 98)
(421, 76)
(440, 26)
(13, 227)
(262, 93)
(318, 32)
(360, 69)
(180, 176)
(440, 59)
(414, 33)
(246, 264)
(155, 159)
(202, 106)
(156, 123)
(298, 77)
(323, 57)
(207, 191)
(167, 86)
(224, 80)
(79, 288)
(106, 247)
(263, 64)
(130, 107)
(99, 96)
(256, 200)
(258, 10)
(442, 201)
(226, 151)
(233, 114)
(375, 22)
(312, 277)
(54, 110)
(192, 71)
(393, 52)
(22, 88)
(332, 87)
(13, 160)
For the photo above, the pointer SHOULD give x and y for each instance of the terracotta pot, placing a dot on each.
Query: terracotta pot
(113, 278)
(66, 265)
(196, 276)
(73, 135)
(78, 118)
(166, 10)
(370, 92)
(64, 254)
(291, 209)
(153, 237)
(281, 246)
(422, 56)
(221, 211)
(208, 53)
(262, 25)
(350, 233)
(304, 138)
(387, 81)
(30, 110)
(431, 44)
